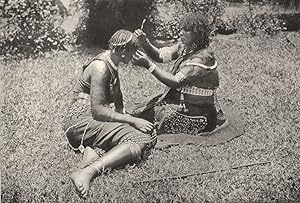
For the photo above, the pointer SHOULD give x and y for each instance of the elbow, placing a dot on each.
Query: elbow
(158, 59)
(174, 84)
(97, 112)
(94, 112)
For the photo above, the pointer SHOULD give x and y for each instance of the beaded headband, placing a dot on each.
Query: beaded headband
(120, 39)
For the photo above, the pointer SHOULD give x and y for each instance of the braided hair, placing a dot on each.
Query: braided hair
(123, 41)
(197, 22)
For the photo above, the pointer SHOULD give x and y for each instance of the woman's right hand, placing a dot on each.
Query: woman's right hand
(142, 125)
(141, 59)
(140, 35)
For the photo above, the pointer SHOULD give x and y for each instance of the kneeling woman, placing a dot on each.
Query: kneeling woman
(91, 121)
(188, 104)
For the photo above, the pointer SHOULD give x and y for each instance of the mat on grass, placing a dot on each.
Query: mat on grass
(233, 127)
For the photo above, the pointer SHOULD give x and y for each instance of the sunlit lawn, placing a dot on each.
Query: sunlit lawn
(259, 77)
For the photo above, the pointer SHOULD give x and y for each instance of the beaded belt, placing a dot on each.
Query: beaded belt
(196, 91)
(191, 94)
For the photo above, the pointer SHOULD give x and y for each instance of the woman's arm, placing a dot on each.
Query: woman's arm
(163, 76)
(166, 77)
(118, 99)
(192, 70)
(158, 55)
(100, 78)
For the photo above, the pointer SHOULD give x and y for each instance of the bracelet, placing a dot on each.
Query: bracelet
(152, 68)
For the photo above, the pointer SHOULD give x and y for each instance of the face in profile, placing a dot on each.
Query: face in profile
(187, 37)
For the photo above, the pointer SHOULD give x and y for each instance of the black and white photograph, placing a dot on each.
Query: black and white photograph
(192, 101)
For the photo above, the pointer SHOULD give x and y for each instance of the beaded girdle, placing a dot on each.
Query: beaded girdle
(175, 123)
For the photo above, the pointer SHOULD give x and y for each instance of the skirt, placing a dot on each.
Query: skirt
(83, 130)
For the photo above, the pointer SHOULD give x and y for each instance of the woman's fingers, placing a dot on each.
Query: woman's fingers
(140, 52)
(135, 57)
(136, 54)
(143, 130)
(146, 129)
(139, 32)
(150, 124)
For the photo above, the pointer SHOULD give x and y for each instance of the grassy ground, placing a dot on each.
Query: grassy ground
(259, 76)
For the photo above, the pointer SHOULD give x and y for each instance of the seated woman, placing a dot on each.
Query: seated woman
(188, 104)
(91, 121)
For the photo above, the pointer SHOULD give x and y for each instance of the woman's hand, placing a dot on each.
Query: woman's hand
(141, 36)
(141, 59)
(142, 125)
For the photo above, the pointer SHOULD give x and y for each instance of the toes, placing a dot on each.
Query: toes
(83, 191)
(84, 194)
(80, 188)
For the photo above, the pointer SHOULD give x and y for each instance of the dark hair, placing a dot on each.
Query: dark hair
(197, 22)
(123, 40)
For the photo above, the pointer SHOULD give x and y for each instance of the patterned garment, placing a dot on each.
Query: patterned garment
(86, 131)
(189, 109)
(171, 119)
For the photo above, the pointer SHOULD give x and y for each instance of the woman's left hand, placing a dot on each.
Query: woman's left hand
(141, 59)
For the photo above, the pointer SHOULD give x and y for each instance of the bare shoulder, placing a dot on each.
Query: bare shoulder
(98, 66)
(98, 69)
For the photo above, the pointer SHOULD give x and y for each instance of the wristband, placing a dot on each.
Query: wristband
(152, 68)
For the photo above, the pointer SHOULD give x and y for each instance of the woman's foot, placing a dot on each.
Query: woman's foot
(89, 156)
(81, 180)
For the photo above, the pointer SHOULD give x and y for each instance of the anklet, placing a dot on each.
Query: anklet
(97, 170)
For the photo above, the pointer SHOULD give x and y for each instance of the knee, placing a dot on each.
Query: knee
(136, 150)
(140, 144)
(72, 138)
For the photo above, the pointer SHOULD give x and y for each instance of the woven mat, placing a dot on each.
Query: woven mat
(232, 128)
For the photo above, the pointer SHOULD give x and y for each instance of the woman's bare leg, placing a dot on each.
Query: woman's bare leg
(119, 155)
(89, 156)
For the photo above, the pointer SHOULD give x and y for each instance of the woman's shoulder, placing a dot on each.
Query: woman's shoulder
(95, 68)
(98, 67)
(99, 62)
(205, 57)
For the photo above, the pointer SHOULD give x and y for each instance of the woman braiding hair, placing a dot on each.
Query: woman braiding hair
(188, 105)
(92, 124)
